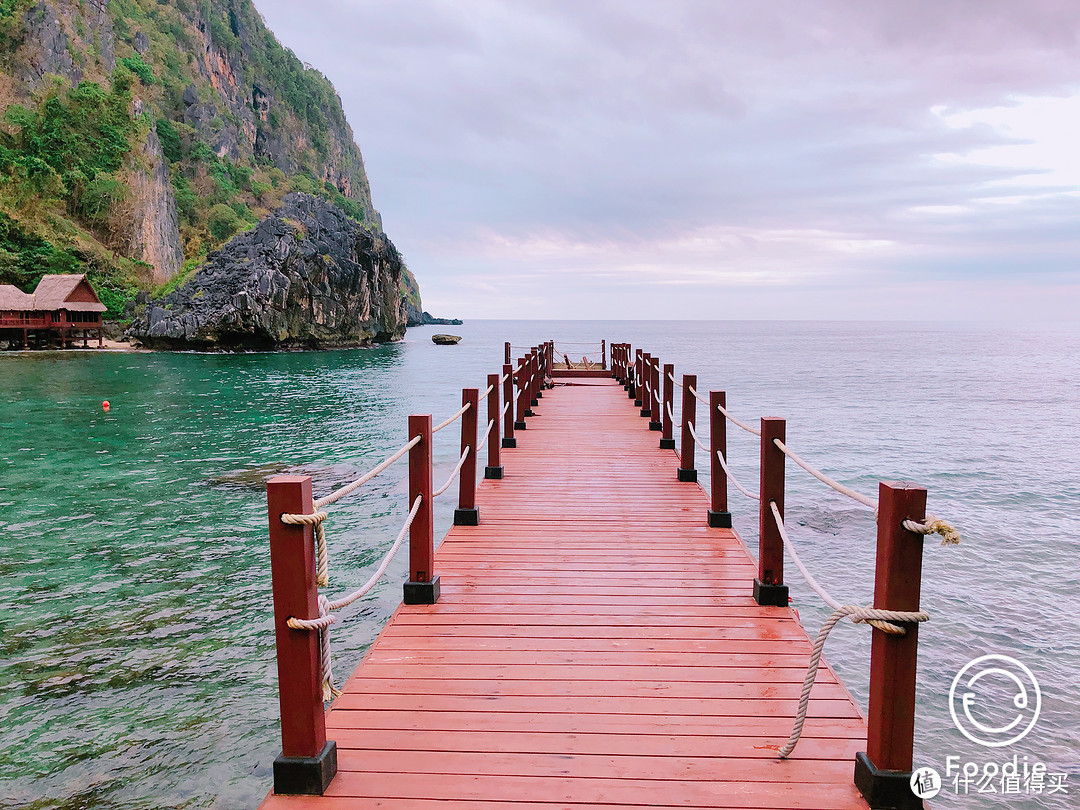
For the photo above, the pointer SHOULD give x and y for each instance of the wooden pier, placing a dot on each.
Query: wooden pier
(595, 640)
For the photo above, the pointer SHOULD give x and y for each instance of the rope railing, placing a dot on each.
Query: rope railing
(484, 394)
(698, 396)
(674, 382)
(453, 473)
(697, 441)
(819, 475)
(723, 463)
(487, 432)
(735, 421)
(338, 494)
(450, 420)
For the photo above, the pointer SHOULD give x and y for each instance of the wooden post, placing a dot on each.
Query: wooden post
(422, 587)
(466, 513)
(506, 353)
(539, 355)
(667, 441)
(603, 355)
(719, 517)
(689, 414)
(308, 760)
(522, 376)
(639, 379)
(494, 418)
(643, 397)
(551, 362)
(769, 587)
(654, 399)
(508, 396)
(883, 772)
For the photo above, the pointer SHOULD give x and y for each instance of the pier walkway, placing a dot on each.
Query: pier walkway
(595, 644)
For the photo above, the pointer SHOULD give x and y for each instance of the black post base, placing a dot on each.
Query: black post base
(656, 425)
(422, 593)
(646, 411)
(534, 404)
(637, 402)
(510, 441)
(775, 595)
(467, 517)
(667, 444)
(719, 520)
(305, 776)
(884, 790)
(539, 395)
(494, 472)
(626, 386)
(521, 425)
(528, 412)
(687, 475)
(630, 393)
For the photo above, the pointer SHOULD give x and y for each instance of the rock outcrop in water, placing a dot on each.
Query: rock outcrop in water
(307, 276)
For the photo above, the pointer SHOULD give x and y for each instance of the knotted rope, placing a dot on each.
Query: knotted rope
(326, 607)
(322, 572)
(858, 614)
(932, 525)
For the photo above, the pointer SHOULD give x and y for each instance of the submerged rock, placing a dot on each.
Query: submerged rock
(307, 276)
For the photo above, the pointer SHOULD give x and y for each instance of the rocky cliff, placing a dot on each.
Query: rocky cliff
(199, 124)
(307, 276)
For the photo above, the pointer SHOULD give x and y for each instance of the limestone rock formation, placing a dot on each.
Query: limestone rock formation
(307, 276)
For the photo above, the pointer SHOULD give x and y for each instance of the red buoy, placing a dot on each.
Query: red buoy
(105, 406)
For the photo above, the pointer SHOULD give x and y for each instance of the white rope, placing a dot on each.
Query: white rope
(862, 614)
(698, 396)
(819, 475)
(322, 624)
(485, 393)
(487, 432)
(338, 494)
(671, 416)
(697, 441)
(813, 583)
(453, 474)
(743, 425)
(452, 419)
(734, 480)
(674, 382)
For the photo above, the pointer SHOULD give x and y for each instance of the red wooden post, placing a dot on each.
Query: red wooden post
(494, 418)
(506, 353)
(654, 399)
(308, 760)
(719, 517)
(508, 397)
(643, 398)
(422, 587)
(530, 382)
(883, 772)
(539, 353)
(667, 441)
(689, 415)
(522, 378)
(630, 381)
(769, 587)
(603, 355)
(466, 513)
(639, 379)
(550, 361)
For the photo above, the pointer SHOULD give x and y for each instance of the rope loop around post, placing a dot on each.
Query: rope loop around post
(932, 525)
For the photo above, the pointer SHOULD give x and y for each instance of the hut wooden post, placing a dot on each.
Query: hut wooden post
(719, 517)
(667, 440)
(494, 460)
(466, 513)
(308, 760)
(883, 772)
(769, 587)
(689, 415)
(423, 586)
(508, 397)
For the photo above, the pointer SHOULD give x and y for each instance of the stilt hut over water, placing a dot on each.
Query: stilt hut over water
(62, 310)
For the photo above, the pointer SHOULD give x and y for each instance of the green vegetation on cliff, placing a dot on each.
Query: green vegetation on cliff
(137, 137)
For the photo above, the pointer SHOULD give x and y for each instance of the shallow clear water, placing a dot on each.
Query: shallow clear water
(136, 645)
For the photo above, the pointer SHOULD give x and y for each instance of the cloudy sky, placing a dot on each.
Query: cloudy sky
(717, 158)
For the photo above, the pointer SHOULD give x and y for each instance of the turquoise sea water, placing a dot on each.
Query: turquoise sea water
(136, 646)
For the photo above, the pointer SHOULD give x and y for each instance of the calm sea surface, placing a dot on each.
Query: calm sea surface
(136, 643)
